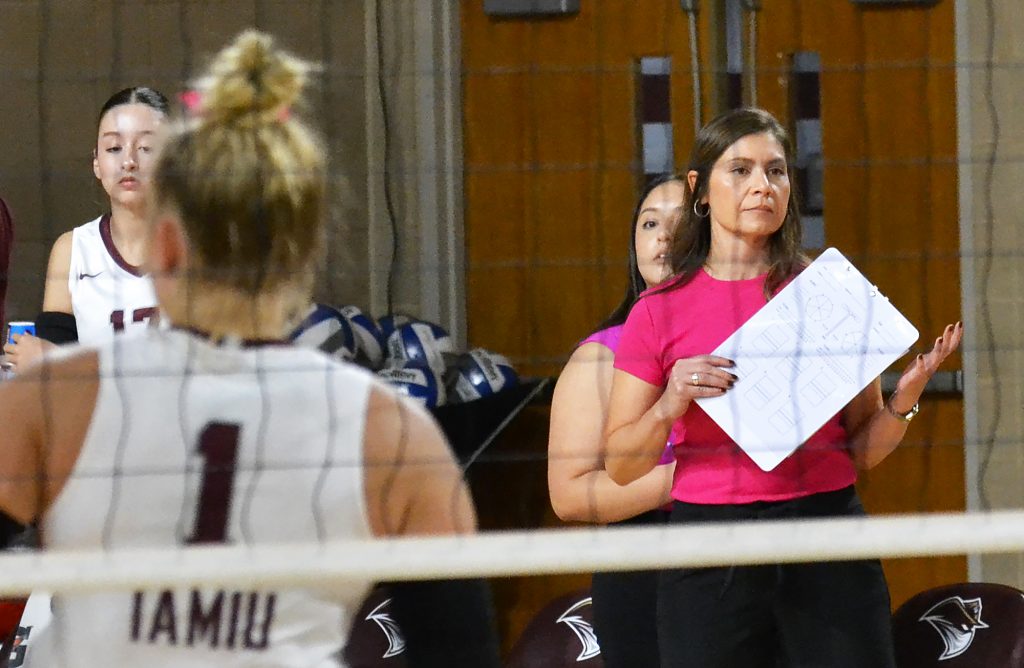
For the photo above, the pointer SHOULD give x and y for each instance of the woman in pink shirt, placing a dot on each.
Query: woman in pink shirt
(737, 245)
(581, 491)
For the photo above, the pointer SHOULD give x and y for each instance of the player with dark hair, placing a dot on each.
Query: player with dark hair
(95, 284)
(216, 431)
(581, 491)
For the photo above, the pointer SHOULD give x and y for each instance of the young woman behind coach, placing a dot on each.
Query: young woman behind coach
(95, 284)
(581, 491)
(737, 245)
(217, 432)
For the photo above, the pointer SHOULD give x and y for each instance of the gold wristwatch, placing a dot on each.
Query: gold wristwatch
(903, 417)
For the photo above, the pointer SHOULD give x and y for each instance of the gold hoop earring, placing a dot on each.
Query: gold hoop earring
(707, 210)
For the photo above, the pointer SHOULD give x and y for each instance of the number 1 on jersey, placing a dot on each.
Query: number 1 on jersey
(218, 446)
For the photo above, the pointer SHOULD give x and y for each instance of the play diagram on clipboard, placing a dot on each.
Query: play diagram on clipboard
(804, 356)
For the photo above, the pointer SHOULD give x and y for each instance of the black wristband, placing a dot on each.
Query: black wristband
(9, 530)
(446, 623)
(57, 327)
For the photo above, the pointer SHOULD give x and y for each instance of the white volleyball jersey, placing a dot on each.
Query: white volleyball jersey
(180, 422)
(108, 295)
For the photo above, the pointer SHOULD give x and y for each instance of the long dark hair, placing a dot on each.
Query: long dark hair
(636, 283)
(692, 241)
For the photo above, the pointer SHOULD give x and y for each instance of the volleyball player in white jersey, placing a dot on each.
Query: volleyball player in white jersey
(95, 285)
(216, 432)
(108, 294)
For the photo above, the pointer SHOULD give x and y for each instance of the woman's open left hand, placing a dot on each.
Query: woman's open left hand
(911, 384)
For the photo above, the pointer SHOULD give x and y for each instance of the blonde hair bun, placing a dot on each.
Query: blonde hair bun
(246, 180)
(252, 81)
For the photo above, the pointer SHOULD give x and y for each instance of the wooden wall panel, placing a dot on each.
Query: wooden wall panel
(496, 281)
(574, 157)
(924, 475)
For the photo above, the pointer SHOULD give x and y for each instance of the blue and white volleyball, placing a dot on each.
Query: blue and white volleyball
(390, 322)
(368, 338)
(480, 373)
(328, 330)
(417, 381)
(423, 343)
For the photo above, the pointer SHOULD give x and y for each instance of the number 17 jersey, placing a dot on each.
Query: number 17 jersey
(108, 295)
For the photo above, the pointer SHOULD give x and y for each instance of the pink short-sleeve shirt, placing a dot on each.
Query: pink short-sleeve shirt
(710, 468)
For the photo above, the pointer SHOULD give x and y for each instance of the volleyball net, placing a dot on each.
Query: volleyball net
(964, 454)
(517, 553)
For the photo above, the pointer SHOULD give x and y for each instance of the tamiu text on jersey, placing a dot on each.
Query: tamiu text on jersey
(219, 619)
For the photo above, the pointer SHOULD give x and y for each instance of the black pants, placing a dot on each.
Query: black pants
(624, 611)
(812, 615)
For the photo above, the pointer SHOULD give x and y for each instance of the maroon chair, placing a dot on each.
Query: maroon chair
(967, 625)
(561, 634)
(6, 242)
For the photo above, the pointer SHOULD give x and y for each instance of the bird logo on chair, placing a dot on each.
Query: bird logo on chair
(956, 620)
(396, 643)
(583, 630)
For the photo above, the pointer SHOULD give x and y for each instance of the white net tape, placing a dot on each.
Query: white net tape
(516, 553)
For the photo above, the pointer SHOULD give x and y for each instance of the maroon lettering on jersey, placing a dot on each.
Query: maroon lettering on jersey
(164, 619)
(245, 622)
(205, 620)
(236, 602)
(218, 446)
(136, 615)
(259, 640)
(149, 314)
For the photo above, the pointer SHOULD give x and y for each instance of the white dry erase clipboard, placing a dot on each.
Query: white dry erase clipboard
(804, 356)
